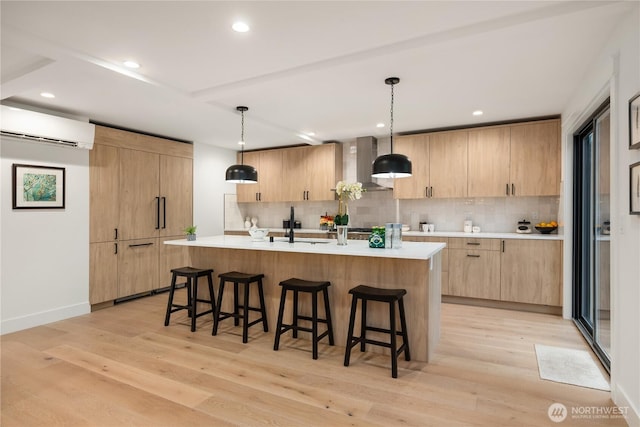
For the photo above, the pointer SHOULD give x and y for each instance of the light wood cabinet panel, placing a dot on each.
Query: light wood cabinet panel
(323, 171)
(171, 256)
(249, 192)
(176, 192)
(445, 257)
(137, 266)
(416, 147)
(535, 159)
(448, 164)
(474, 243)
(270, 176)
(103, 272)
(104, 194)
(531, 272)
(294, 182)
(474, 273)
(489, 151)
(139, 197)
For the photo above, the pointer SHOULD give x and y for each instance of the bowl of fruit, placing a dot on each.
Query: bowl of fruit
(547, 227)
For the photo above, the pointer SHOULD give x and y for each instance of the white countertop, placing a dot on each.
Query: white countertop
(409, 250)
(533, 235)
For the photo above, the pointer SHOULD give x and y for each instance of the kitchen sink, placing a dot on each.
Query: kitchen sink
(307, 241)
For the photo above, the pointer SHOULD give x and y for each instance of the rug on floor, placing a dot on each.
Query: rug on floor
(569, 366)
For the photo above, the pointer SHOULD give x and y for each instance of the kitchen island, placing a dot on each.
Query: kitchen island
(415, 267)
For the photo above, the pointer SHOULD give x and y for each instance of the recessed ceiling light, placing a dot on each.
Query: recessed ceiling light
(240, 142)
(380, 125)
(47, 95)
(305, 137)
(240, 27)
(478, 113)
(131, 64)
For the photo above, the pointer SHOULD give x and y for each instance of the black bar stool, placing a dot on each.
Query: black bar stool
(246, 279)
(192, 275)
(390, 296)
(299, 285)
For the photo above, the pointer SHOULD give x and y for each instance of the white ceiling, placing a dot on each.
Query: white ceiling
(304, 66)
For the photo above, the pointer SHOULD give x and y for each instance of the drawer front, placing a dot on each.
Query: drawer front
(474, 243)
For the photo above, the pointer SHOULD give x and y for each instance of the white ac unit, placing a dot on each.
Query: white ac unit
(39, 127)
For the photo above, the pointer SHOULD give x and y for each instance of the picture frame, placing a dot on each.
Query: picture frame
(634, 122)
(38, 187)
(634, 189)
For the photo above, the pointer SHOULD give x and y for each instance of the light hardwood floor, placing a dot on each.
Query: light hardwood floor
(121, 366)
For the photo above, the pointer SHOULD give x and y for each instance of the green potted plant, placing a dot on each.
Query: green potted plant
(191, 232)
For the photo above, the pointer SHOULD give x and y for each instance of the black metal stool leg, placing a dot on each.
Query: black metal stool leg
(363, 325)
(405, 335)
(263, 308)
(352, 321)
(194, 303)
(295, 314)
(216, 317)
(314, 323)
(327, 311)
(245, 314)
(394, 342)
(236, 305)
(212, 296)
(283, 297)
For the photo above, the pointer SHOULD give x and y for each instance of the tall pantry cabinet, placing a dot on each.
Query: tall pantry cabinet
(141, 195)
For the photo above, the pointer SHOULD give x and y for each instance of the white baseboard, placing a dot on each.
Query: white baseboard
(42, 318)
(620, 398)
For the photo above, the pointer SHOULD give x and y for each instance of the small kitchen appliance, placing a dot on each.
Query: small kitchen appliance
(524, 227)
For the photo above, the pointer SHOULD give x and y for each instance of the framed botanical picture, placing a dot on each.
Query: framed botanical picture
(38, 187)
(634, 189)
(634, 122)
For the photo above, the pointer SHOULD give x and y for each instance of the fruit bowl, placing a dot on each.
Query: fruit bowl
(546, 230)
(258, 234)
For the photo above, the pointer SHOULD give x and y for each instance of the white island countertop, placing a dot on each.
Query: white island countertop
(409, 250)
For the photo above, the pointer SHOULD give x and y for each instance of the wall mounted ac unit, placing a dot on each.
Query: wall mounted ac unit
(39, 127)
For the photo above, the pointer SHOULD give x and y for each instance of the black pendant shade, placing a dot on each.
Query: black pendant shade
(391, 165)
(241, 174)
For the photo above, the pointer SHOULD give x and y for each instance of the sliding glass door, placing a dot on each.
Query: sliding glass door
(591, 275)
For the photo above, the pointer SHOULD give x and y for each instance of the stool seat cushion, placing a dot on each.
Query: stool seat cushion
(191, 271)
(303, 285)
(377, 294)
(236, 276)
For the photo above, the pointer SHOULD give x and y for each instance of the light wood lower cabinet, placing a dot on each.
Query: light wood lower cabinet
(103, 272)
(137, 266)
(171, 256)
(531, 272)
(445, 257)
(474, 273)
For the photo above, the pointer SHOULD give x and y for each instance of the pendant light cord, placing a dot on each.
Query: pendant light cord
(242, 138)
(391, 122)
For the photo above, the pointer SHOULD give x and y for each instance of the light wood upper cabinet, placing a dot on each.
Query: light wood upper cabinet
(535, 159)
(439, 165)
(104, 197)
(176, 194)
(293, 174)
(489, 151)
(448, 164)
(139, 196)
(416, 148)
(249, 192)
(531, 271)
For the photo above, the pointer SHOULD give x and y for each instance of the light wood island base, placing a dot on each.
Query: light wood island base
(421, 281)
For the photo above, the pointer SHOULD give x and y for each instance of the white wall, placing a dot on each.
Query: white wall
(44, 256)
(616, 73)
(209, 187)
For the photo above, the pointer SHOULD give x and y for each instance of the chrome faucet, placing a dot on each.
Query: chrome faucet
(291, 226)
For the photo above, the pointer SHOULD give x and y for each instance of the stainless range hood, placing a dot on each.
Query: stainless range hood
(367, 152)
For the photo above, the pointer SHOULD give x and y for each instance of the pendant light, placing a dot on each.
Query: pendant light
(242, 174)
(391, 165)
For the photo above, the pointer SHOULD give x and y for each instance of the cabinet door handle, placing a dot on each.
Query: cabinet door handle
(473, 256)
(473, 243)
(503, 246)
(513, 189)
(141, 244)
(115, 249)
(116, 234)
(256, 197)
(507, 190)
(157, 213)
(426, 192)
(164, 212)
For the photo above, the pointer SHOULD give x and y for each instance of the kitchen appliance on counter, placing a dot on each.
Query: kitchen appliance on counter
(524, 227)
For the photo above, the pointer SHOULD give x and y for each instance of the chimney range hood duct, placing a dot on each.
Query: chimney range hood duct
(367, 152)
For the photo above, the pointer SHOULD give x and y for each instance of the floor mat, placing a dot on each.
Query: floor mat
(569, 366)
